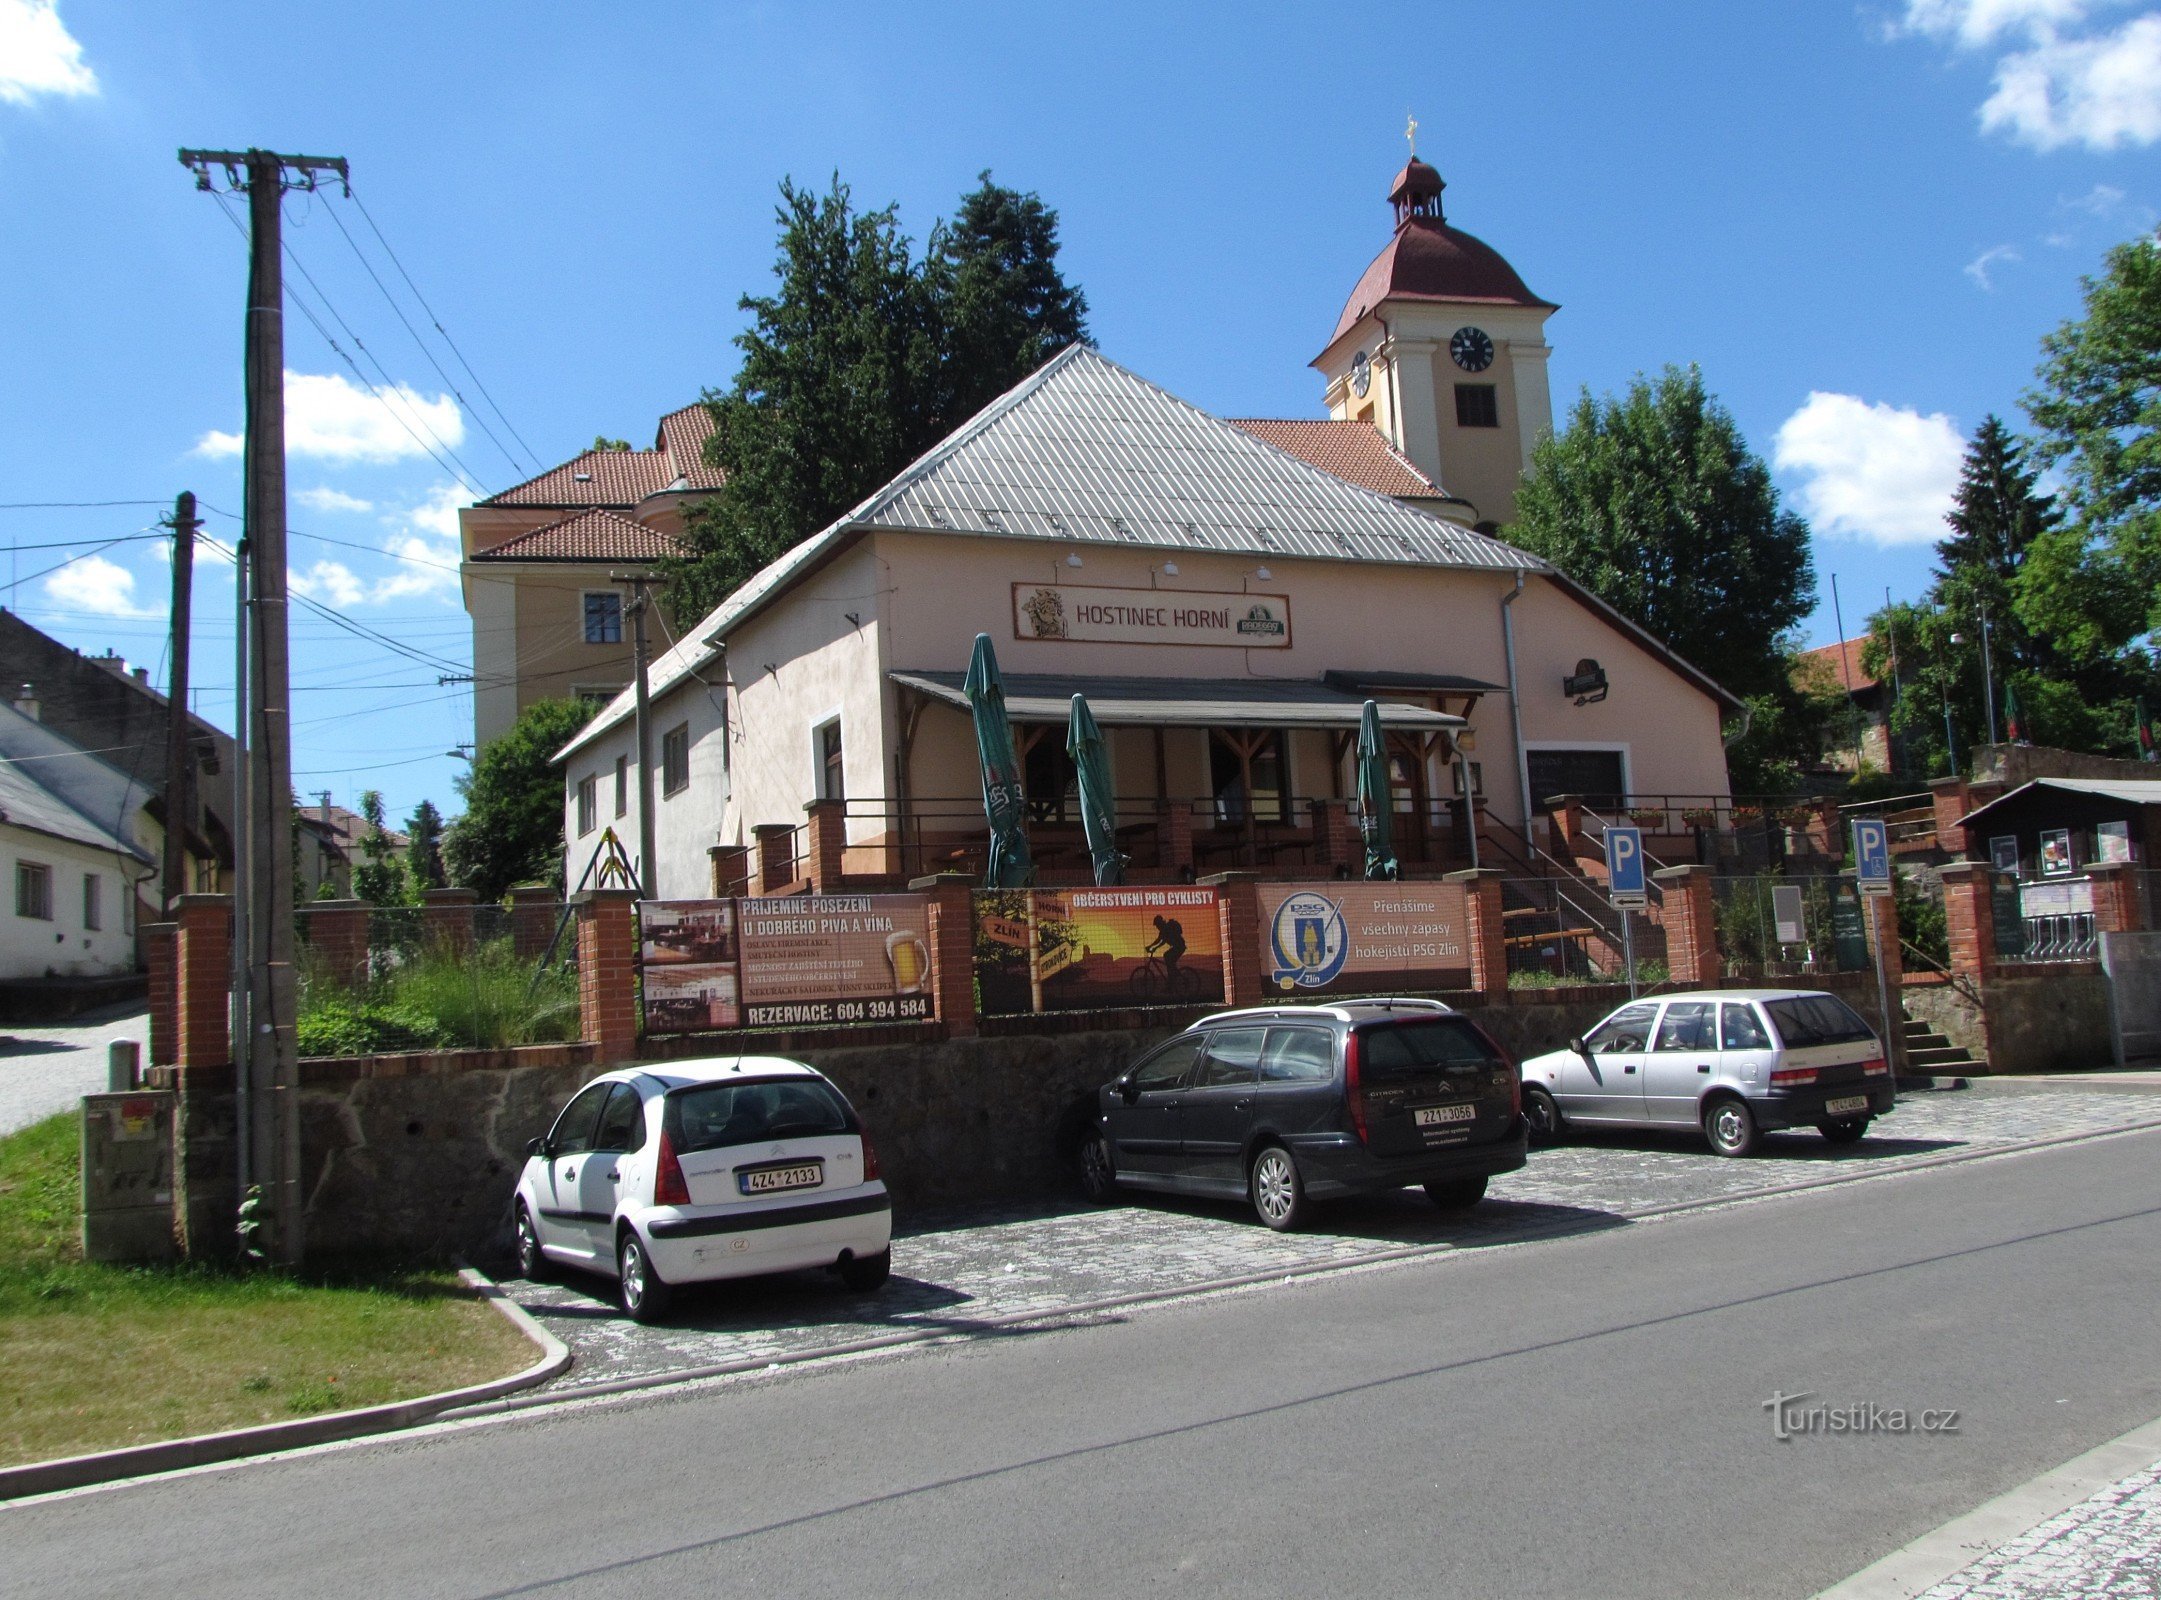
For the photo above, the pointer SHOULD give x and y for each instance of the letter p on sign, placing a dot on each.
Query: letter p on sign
(1624, 861)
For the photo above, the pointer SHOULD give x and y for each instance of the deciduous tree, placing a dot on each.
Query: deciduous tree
(512, 830)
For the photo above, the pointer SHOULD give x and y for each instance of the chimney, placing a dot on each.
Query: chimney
(142, 674)
(26, 701)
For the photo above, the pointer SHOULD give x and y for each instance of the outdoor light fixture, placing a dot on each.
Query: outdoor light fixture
(1264, 575)
(1169, 569)
(1073, 560)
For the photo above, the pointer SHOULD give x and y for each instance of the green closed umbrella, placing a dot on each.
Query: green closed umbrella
(1376, 796)
(1010, 865)
(1099, 810)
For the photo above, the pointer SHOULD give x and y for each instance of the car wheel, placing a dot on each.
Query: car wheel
(1844, 1130)
(1731, 1127)
(1098, 1178)
(1541, 1116)
(1279, 1194)
(1459, 1194)
(645, 1293)
(532, 1260)
(862, 1273)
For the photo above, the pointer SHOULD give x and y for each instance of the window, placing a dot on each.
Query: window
(1628, 1029)
(713, 1116)
(1298, 1055)
(832, 779)
(595, 695)
(1167, 1068)
(33, 891)
(1687, 1026)
(1816, 1019)
(1233, 1059)
(573, 1132)
(1741, 1027)
(1049, 780)
(1270, 767)
(1396, 1051)
(604, 618)
(622, 786)
(93, 901)
(1476, 406)
(588, 804)
(675, 758)
(622, 1124)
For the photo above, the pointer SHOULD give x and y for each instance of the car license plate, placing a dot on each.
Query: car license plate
(1434, 1116)
(764, 1180)
(1846, 1105)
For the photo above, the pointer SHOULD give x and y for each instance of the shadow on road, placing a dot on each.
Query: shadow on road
(1803, 1145)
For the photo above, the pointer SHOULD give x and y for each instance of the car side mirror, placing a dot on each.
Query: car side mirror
(1576, 1044)
(536, 1147)
(1128, 1090)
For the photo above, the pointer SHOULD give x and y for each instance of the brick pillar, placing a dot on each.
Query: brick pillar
(1951, 801)
(203, 981)
(204, 1197)
(446, 918)
(2115, 898)
(607, 972)
(161, 950)
(1174, 836)
(1238, 916)
(828, 841)
(1690, 919)
(1567, 821)
(338, 940)
(776, 857)
(1969, 919)
(952, 948)
(532, 919)
(1825, 835)
(1335, 837)
(1484, 935)
(731, 869)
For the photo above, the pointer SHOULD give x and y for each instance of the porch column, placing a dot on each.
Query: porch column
(608, 971)
(952, 948)
(2115, 898)
(1484, 933)
(1174, 836)
(828, 829)
(731, 869)
(1335, 837)
(1969, 919)
(1691, 923)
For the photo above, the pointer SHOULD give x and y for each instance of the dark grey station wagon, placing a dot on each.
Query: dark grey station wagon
(1287, 1105)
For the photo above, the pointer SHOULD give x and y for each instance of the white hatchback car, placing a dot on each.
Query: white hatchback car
(696, 1170)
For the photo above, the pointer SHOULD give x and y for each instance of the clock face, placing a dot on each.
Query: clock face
(1472, 349)
(1361, 374)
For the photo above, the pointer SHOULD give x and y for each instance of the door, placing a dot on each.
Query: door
(1607, 1086)
(1218, 1110)
(1682, 1061)
(1142, 1123)
(1744, 1053)
(570, 1146)
(621, 1130)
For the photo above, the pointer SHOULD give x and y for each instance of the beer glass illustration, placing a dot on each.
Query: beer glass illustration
(909, 958)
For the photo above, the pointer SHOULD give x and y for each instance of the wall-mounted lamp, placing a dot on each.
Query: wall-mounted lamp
(1169, 569)
(1264, 574)
(1073, 560)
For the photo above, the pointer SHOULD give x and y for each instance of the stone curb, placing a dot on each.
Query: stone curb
(75, 1472)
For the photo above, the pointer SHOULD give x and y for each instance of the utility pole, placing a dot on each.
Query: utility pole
(640, 598)
(179, 734)
(272, 989)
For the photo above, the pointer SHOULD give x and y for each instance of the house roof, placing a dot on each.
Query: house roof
(1839, 664)
(596, 535)
(621, 478)
(2130, 791)
(52, 786)
(1356, 452)
(1046, 697)
(682, 435)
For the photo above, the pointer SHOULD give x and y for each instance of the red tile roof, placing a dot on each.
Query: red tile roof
(682, 435)
(621, 478)
(597, 535)
(1831, 663)
(1356, 452)
(1429, 260)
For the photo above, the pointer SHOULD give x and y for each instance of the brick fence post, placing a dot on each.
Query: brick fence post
(1484, 934)
(607, 972)
(776, 857)
(1825, 837)
(446, 918)
(338, 940)
(828, 831)
(1238, 923)
(1174, 836)
(205, 1114)
(532, 919)
(161, 950)
(952, 948)
(1969, 919)
(2115, 898)
(203, 981)
(1690, 918)
(1949, 797)
(731, 869)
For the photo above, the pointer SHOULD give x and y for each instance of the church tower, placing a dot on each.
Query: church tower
(1444, 349)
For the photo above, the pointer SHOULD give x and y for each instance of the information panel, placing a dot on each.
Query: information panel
(815, 960)
(687, 962)
(1363, 937)
(1094, 949)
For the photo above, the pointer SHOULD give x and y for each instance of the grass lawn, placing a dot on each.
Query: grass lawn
(93, 1357)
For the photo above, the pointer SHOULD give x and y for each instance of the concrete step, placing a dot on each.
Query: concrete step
(1944, 1055)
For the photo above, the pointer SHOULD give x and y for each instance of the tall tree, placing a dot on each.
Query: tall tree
(861, 359)
(424, 846)
(512, 830)
(379, 878)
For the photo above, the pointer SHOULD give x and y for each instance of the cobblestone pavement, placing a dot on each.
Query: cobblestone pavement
(49, 1069)
(2105, 1546)
(955, 1269)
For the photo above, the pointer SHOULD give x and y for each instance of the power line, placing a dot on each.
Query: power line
(71, 505)
(69, 544)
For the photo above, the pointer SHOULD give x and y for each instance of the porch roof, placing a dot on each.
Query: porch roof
(2124, 791)
(1038, 697)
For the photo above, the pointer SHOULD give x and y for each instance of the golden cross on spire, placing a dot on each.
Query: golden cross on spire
(1410, 131)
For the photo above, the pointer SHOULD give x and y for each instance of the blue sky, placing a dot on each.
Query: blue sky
(1858, 220)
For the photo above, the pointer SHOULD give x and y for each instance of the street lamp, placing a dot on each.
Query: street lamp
(1988, 676)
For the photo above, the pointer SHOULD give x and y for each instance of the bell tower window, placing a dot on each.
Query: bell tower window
(1477, 406)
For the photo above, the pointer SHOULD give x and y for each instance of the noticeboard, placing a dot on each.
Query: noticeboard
(817, 960)
(1363, 937)
(687, 965)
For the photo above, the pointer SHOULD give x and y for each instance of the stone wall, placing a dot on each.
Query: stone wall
(2033, 1018)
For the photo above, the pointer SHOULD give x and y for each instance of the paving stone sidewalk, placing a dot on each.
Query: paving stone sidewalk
(2107, 1545)
(956, 1268)
(44, 1070)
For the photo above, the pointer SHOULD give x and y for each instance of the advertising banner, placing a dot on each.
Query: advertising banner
(686, 959)
(1085, 615)
(1363, 938)
(1093, 949)
(814, 960)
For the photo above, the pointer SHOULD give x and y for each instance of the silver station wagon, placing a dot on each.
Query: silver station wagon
(1738, 1063)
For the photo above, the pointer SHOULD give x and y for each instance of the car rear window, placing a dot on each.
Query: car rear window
(713, 1115)
(1414, 1049)
(1812, 1019)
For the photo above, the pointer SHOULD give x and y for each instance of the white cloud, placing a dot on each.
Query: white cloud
(1871, 471)
(2062, 77)
(38, 55)
(1978, 268)
(325, 499)
(331, 582)
(2100, 200)
(333, 420)
(95, 584)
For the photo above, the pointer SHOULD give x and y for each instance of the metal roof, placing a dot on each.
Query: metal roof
(1036, 697)
(50, 786)
(2131, 791)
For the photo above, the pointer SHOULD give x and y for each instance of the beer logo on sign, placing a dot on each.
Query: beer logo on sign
(1307, 942)
(1046, 614)
(1261, 621)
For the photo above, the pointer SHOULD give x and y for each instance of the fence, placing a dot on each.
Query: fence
(1784, 926)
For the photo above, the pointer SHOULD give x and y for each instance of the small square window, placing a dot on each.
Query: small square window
(33, 891)
(603, 618)
(93, 901)
(675, 759)
(1477, 406)
(622, 786)
(588, 804)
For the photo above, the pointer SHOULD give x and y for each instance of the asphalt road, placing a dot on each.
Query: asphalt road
(1582, 1416)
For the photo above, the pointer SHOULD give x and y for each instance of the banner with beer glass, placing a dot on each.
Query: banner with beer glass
(784, 961)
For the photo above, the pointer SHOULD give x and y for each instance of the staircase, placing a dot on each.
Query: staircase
(1929, 1054)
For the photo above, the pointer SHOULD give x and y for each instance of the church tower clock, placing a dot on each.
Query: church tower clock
(1443, 348)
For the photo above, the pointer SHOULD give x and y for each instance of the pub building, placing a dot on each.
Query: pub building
(1225, 605)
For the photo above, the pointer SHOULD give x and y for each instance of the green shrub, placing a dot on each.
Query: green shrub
(428, 998)
(334, 1024)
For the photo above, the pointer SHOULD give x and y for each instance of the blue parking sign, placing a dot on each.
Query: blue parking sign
(1624, 861)
(1872, 854)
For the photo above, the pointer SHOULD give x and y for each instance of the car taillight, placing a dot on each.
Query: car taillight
(870, 1155)
(1353, 1090)
(669, 1186)
(1792, 1077)
(1875, 1069)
